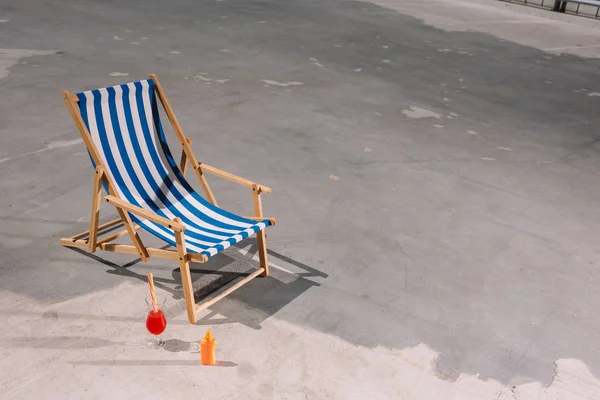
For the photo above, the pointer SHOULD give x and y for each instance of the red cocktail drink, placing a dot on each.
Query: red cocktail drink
(156, 323)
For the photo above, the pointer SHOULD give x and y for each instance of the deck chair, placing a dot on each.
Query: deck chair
(121, 128)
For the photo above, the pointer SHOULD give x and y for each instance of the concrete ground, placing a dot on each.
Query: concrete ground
(435, 173)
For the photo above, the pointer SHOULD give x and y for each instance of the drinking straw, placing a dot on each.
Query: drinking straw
(152, 292)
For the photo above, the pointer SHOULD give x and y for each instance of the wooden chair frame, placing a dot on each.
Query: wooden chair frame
(91, 241)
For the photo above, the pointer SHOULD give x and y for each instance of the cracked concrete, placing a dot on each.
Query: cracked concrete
(436, 262)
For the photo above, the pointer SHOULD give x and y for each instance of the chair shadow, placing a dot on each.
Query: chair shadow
(123, 270)
(250, 305)
(264, 296)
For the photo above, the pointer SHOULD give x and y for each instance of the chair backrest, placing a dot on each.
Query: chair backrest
(125, 127)
(124, 124)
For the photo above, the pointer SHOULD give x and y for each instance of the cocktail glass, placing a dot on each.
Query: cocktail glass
(156, 323)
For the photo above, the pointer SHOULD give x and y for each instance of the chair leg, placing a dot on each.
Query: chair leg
(96, 198)
(186, 278)
(188, 290)
(261, 242)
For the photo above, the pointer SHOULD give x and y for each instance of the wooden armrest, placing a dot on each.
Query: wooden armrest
(176, 226)
(233, 178)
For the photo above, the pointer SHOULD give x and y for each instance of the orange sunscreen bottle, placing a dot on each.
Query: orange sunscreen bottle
(207, 349)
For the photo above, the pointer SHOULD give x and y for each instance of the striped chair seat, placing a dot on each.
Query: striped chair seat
(125, 127)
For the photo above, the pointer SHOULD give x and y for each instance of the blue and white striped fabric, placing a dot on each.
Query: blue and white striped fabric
(125, 126)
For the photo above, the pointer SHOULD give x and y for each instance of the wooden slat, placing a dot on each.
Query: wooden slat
(85, 135)
(229, 290)
(202, 179)
(261, 239)
(183, 163)
(186, 277)
(129, 249)
(109, 224)
(96, 198)
(176, 226)
(205, 186)
(81, 235)
(122, 248)
(232, 178)
(69, 242)
(201, 258)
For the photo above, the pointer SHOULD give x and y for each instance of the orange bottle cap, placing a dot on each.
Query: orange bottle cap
(208, 337)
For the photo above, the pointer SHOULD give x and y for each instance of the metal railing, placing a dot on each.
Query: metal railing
(562, 6)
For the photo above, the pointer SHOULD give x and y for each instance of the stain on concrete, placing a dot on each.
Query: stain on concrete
(202, 77)
(418, 113)
(10, 57)
(49, 146)
(282, 84)
(316, 62)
